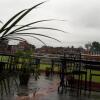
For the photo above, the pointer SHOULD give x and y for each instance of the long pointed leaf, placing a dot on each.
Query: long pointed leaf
(1, 22)
(28, 36)
(35, 22)
(10, 20)
(38, 35)
(16, 38)
(47, 28)
(4, 84)
(34, 37)
(22, 39)
(15, 22)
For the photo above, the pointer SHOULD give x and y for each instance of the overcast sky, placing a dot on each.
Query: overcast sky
(82, 19)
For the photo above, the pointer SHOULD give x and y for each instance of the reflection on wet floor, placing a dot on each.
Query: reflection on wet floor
(39, 89)
(46, 89)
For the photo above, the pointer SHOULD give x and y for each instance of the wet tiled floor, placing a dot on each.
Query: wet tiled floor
(53, 95)
(47, 90)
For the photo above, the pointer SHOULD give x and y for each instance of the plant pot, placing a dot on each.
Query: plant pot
(24, 78)
(47, 72)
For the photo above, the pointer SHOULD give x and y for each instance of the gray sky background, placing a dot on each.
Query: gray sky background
(82, 25)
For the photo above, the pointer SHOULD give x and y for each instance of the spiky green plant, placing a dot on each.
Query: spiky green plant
(12, 31)
(9, 31)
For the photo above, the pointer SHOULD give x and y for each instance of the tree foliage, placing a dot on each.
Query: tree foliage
(94, 46)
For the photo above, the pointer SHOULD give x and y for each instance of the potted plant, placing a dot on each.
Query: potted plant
(25, 59)
(12, 30)
(24, 76)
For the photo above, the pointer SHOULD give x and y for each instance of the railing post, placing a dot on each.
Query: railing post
(52, 67)
(62, 75)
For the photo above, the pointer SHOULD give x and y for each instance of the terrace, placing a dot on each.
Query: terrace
(70, 82)
(76, 76)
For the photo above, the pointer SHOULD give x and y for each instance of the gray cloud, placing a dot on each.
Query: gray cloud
(83, 18)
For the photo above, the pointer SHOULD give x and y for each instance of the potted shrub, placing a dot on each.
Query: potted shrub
(25, 59)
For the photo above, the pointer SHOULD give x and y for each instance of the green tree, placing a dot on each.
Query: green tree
(95, 46)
